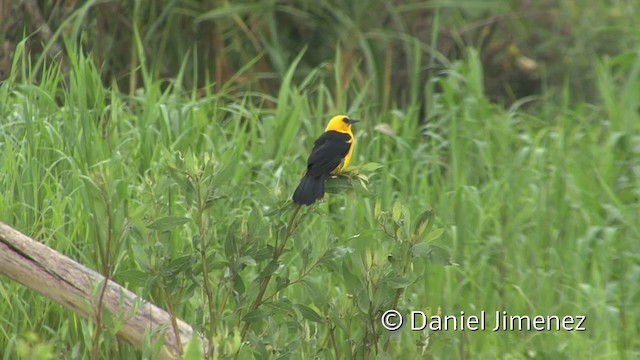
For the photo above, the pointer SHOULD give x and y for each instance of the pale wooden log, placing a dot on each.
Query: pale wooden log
(76, 287)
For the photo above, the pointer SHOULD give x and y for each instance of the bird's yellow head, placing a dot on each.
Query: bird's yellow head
(340, 123)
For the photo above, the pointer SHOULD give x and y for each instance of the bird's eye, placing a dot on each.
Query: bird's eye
(345, 119)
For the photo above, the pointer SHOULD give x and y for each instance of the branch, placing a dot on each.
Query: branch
(72, 285)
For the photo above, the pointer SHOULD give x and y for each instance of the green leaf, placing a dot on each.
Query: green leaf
(178, 265)
(308, 313)
(396, 282)
(269, 269)
(181, 179)
(245, 261)
(212, 197)
(313, 291)
(377, 209)
(440, 256)
(362, 300)
(383, 298)
(255, 315)
(134, 277)
(238, 285)
(370, 167)
(194, 349)
(334, 253)
(224, 176)
(136, 234)
(142, 257)
(352, 282)
(168, 223)
(281, 282)
(422, 250)
(216, 264)
(263, 254)
(362, 183)
(230, 245)
(283, 305)
(422, 222)
(396, 212)
(358, 267)
(337, 184)
(434, 235)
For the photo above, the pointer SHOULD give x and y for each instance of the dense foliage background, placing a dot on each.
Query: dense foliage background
(497, 168)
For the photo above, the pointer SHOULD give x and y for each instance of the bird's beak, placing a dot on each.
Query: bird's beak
(351, 121)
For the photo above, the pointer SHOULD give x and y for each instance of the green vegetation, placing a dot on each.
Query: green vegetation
(454, 203)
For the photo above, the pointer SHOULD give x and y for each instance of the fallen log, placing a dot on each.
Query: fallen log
(73, 285)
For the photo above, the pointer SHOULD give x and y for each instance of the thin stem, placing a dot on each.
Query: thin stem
(304, 274)
(334, 344)
(279, 248)
(106, 272)
(227, 294)
(406, 260)
(205, 271)
(174, 322)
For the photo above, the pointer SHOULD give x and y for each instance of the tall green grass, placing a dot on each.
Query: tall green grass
(539, 211)
(520, 43)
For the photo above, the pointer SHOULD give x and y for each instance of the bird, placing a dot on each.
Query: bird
(331, 154)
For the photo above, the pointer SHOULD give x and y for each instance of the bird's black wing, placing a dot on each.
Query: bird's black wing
(328, 151)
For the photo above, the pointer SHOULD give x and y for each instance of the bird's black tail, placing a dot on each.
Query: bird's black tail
(309, 190)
